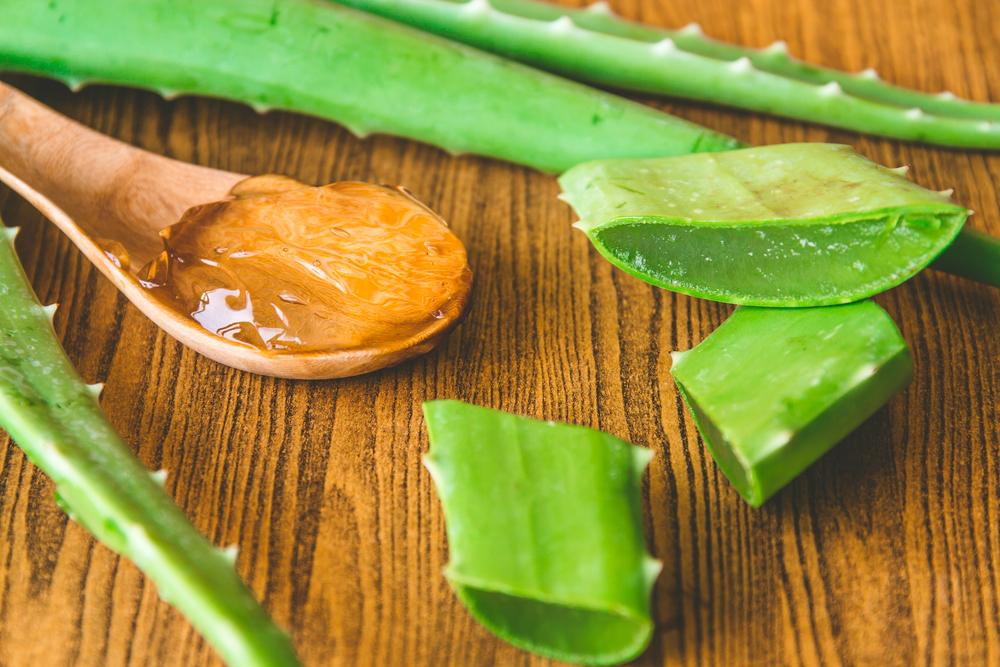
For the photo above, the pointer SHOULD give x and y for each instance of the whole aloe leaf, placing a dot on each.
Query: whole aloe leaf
(545, 531)
(787, 225)
(322, 59)
(599, 47)
(55, 418)
(772, 390)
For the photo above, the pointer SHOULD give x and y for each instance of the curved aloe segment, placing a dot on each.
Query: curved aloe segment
(545, 531)
(318, 58)
(772, 390)
(56, 420)
(597, 47)
(787, 225)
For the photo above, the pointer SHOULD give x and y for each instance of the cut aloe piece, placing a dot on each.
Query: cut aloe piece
(788, 225)
(545, 531)
(772, 390)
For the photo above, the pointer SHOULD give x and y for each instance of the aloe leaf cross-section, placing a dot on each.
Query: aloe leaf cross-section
(791, 225)
(545, 533)
(773, 389)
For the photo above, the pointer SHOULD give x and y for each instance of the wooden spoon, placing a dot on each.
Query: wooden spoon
(95, 189)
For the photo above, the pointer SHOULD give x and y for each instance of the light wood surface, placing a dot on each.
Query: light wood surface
(887, 552)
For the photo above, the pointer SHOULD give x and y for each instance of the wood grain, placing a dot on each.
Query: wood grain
(886, 552)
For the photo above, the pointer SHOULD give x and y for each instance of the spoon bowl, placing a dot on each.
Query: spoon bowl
(98, 190)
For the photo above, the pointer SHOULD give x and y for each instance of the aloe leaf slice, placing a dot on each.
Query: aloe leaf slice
(545, 531)
(55, 418)
(771, 390)
(792, 225)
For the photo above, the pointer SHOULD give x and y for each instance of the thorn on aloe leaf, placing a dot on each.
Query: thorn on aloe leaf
(169, 95)
(75, 85)
(361, 133)
(261, 108)
(831, 89)
(600, 7)
(50, 310)
(664, 47)
(915, 113)
(692, 28)
(12, 232)
(741, 65)
(778, 47)
(901, 171)
(869, 73)
(947, 95)
(95, 389)
(561, 25)
(948, 192)
(651, 569)
(230, 553)
(159, 476)
(476, 7)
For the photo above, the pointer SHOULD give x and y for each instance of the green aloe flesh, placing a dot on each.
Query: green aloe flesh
(55, 418)
(772, 390)
(596, 46)
(791, 225)
(545, 531)
(319, 58)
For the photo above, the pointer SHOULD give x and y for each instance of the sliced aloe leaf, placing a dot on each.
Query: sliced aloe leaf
(772, 390)
(791, 225)
(545, 531)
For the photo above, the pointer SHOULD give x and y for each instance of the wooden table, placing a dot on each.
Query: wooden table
(886, 552)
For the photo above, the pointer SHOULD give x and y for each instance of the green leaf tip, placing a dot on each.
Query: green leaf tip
(544, 525)
(792, 225)
(771, 390)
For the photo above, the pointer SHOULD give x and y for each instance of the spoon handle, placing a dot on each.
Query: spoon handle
(82, 179)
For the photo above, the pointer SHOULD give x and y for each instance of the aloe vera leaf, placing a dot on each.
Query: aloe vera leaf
(322, 59)
(596, 47)
(771, 390)
(791, 225)
(55, 418)
(973, 255)
(545, 531)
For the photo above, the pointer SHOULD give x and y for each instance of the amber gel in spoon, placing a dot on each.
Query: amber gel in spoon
(285, 267)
